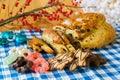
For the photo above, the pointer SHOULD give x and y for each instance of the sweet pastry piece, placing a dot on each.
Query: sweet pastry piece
(81, 55)
(73, 60)
(39, 63)
(89, 29)
(57, 40)
(61, 61)
(38, 45)
(21, 65)
(95, 60)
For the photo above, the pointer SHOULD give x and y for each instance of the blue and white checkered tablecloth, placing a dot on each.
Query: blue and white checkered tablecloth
(109, 71)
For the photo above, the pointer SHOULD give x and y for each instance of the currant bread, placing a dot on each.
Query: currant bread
(58, 41)
(90, 30)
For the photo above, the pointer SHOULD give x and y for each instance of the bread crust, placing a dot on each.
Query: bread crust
(59, 42)
(90, 29)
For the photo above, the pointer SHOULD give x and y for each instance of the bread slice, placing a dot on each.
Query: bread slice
(58, 41)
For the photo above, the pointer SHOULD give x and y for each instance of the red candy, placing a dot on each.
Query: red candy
(39, 63)
(33, 56)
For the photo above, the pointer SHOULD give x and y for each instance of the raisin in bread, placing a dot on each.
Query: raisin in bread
(57, 40)
(90, 30)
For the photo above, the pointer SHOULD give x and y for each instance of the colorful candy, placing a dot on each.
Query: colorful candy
(10, 59)
(22, 51)
(3, 41)
(21, 65)
(39, 63)
(11, 36)
(20, 38)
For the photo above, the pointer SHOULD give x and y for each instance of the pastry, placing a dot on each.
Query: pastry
(38, 45)
(90, 30)
(73, 60)
(58, 41)
(60, 61)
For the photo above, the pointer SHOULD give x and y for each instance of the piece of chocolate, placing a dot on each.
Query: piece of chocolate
(22, 69)
(29, 64)
(21, 65)
(95, 60)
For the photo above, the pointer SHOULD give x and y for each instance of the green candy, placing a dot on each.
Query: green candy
(10, 58)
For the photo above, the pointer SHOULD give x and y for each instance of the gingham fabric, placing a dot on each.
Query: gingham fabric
(109, 71)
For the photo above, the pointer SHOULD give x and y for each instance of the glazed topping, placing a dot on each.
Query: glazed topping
(79, 19)
(67, 22)
(82, 56)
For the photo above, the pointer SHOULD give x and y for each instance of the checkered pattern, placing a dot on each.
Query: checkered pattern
(110, 71)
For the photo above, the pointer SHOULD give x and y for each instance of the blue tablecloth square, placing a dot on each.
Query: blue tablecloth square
(109, 71)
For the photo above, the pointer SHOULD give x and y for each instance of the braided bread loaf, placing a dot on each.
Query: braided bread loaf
(88, 30)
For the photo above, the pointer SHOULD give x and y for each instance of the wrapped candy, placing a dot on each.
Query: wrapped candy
(9, 36)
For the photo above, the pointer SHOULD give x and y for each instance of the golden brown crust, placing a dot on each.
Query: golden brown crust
(100, 37)
(47, 49)
(63, 37)
(61, 44)
(38, 45)
(34, 46)
(53, 36)
(90, 29)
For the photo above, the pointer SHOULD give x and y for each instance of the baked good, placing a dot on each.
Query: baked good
(79, 58)
(57, 40)
(38, 45)
(89, 29)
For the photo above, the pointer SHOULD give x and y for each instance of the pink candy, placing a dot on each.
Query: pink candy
(39, 63)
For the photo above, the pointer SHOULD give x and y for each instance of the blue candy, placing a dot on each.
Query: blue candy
(20, 38)
(3, 41)
(9, 35)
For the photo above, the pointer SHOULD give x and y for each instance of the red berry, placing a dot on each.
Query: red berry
(50, 18)
(34, 17)
(3, 6)
(21, 9)
(11, 13)
(28, 2)
(60, 9)
(71, 11)
(16, 4)
(63, 4)
(1, 19)
(43, 11)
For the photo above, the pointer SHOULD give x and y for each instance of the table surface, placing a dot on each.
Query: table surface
(109, 71)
